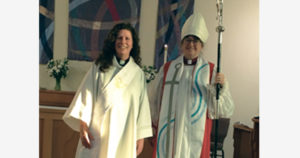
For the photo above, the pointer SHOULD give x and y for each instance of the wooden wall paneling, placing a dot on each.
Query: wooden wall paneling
(58, 140)
(242, 136)
(47, 138)
(65, 143)
(255, 138)
(41, 131)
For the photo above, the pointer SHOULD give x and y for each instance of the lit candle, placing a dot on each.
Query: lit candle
(165, 53)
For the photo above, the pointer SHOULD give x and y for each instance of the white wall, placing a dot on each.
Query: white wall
(147, 32)
(239, 60)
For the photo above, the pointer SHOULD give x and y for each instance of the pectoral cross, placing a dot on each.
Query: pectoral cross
(172, 83)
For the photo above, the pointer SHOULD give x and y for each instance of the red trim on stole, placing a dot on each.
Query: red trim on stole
(206, 141)
(205, 153)
(166, 68)
(211, 70)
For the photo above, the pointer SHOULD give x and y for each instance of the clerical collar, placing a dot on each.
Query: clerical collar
(122, 62)
(190, 61)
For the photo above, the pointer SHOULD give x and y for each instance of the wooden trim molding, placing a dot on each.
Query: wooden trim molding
(56, 98)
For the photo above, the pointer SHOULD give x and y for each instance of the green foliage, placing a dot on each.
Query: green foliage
(58, 68)
(150, 73)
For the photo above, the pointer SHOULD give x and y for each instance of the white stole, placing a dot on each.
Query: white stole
(94, 95)
(182, 121)
(117, 85)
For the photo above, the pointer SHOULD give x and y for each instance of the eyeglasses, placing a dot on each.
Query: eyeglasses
(189, 40)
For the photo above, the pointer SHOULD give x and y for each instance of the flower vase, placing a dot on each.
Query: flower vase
(57, 84)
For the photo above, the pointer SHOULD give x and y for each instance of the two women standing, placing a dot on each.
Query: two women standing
(111, 107)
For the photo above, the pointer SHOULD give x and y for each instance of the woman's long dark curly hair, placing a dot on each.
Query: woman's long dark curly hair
(105, 59)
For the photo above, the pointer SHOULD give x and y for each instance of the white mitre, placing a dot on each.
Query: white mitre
(195, 25)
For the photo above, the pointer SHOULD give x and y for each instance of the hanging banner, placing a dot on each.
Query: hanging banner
(91, 20)
(171, 17)
(46, 22)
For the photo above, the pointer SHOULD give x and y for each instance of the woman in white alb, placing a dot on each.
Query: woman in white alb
(111, 108)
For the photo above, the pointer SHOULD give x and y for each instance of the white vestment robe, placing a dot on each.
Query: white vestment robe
(115, 107)
(179, 107)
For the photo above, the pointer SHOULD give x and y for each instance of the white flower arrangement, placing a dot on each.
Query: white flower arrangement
(150, 73)
(58, 68)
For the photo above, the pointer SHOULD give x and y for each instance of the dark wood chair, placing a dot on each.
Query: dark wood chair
(222, 133)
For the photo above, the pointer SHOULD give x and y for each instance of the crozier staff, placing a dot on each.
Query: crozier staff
(183, 98)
